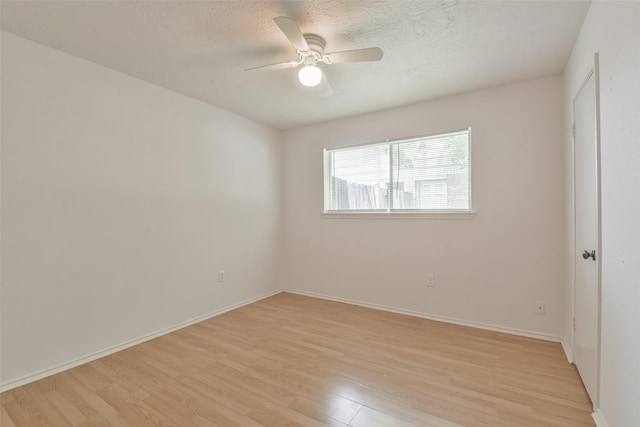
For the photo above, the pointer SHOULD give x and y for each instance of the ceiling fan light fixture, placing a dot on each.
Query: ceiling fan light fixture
(310, 75)
(310, 50)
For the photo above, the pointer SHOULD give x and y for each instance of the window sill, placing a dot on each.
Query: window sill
(401, 215)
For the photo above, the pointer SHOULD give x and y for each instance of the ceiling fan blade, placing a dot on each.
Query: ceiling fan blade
(326, 88)
(356, 55)
(274, 67)
(291, 29)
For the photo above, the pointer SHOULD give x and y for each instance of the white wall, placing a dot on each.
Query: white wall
(120, 202)
(612, 29)
(491, 269)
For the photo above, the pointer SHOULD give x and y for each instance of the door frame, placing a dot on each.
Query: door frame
(594, 70)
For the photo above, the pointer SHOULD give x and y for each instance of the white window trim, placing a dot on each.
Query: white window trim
(417, 214)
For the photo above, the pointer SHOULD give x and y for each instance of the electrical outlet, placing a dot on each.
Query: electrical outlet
(541, 308)
(431, 281)
(221, 276)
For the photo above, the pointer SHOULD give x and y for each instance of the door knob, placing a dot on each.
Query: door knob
(587, 254)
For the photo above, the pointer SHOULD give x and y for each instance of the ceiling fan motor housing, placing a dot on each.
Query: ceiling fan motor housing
(316, 43)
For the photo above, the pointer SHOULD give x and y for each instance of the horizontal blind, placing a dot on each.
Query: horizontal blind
(359, 178)
(431, 173)
(426, 173)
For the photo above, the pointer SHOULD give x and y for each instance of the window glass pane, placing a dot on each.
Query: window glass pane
(359, 178)
(429, 173)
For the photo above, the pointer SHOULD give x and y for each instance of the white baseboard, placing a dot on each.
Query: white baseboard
(113, 349)
(568, 351)
(599, 419)
(444, 319)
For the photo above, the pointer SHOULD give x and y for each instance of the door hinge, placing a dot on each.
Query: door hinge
(573, 130)
(574, 323)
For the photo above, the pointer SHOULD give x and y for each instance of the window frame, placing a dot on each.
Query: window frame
(389, 213)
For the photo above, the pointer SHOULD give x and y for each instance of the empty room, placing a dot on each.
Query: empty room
(316, 213)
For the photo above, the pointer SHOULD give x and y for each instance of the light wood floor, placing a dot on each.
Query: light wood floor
(296, 361)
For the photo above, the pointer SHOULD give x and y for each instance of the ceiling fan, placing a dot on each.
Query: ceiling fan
(310, 49)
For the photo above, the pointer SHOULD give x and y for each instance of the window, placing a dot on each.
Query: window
(431, 173)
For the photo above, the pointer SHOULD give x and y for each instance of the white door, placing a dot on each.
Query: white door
(587, 232)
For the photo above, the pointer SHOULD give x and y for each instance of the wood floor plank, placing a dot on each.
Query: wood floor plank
(12, 413)
(330, 409)
(291, 360)
(132, 407)
(5, 419)
(36, 409)
(368, 417)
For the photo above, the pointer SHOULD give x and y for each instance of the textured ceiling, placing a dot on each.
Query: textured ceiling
(201, 48)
